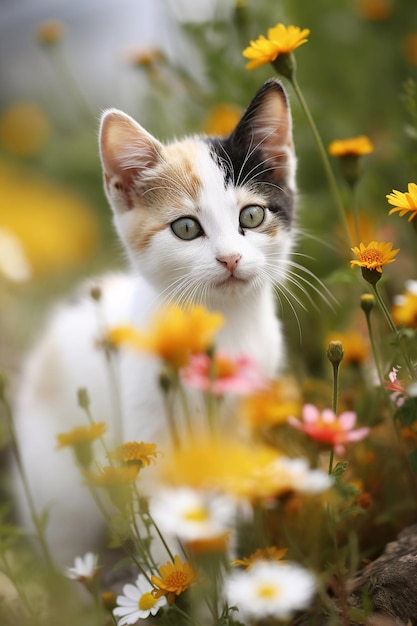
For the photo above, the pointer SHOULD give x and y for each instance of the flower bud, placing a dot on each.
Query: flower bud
(335, 352)
(367, 302)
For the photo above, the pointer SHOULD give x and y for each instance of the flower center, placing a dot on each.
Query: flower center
(371, 255)
(177, 580)
(197, 514)
(147, 601)
(224, 368)
(267, 591)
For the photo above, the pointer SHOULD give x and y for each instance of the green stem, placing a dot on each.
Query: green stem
(335, 402)
(160, 535)
(23, 476)
(394, 329)
(327, 168)
(373, 348)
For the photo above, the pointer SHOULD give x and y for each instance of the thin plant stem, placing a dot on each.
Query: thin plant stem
(162, 538)
(335, 402)
(19, 588)
(23, 476)
(373, 348)
(323, 154)
(394, 329)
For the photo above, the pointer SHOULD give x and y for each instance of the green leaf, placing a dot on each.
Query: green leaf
(339, 469)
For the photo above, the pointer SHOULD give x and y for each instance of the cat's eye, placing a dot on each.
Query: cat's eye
(187, 228)
(251, 216)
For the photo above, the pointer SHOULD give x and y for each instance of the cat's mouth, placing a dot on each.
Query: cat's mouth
(232, 280)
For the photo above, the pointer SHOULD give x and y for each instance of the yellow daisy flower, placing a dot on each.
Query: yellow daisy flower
(404, 202)
(281, 40)
(265, 554)
(374, 255)
(356, 146)
(81, 434)
(272, 406)
(80, 439)
(174, 578)
(135, 453)
(174, 334)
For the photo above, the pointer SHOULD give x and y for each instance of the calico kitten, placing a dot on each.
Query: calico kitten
(204, 220)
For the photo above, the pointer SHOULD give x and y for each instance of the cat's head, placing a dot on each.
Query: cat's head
(205, 217)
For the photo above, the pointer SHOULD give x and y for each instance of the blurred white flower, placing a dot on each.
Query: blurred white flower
(85, 568)
(137, 603)
(13, 262)
(270, 588)
(191, 515)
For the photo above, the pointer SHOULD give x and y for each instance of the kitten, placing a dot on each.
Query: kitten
(204, 220)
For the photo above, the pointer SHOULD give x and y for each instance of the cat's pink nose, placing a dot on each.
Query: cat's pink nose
(230, 261)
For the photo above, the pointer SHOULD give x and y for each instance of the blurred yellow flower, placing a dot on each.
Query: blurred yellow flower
(273, 405)
(50, 31)
(404, 310)
(374, 255)
(24, 128)
(281, 40)
(213, 464)
(80, 440)
(174, 334)
(55, 228)
(222, 120)
(356, 146)
(135, 453)
(404, 202)
(262, 554)
(355, 349)
(243, 470)
(81, 434)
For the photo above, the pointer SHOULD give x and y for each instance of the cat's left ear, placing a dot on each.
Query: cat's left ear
(127, 153)
(266, 126)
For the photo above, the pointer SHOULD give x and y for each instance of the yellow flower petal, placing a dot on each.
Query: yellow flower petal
(281, 40)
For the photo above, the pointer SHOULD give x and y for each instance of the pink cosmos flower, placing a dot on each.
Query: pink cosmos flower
(326, 427)
(223, 373)
(393, 384)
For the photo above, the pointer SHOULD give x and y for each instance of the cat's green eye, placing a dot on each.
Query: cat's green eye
(187, 228)
(251, 216)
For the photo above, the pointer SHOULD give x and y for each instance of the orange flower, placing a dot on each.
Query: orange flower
(174, 578)
(222, 119)
(281, 40)
(374, 255)
(273, 405)
(356, 146)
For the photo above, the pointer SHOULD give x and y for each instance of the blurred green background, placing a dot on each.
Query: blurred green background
(177, 68)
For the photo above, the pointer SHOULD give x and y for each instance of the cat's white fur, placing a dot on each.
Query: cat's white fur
(164, 269)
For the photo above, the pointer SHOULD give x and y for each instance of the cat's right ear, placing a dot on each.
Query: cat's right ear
(127, 150)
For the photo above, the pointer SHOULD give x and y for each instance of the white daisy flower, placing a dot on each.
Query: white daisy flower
(191, 515)
(137, 602)
(85, 568)
(270, 588)
(303, 478)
